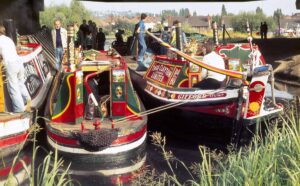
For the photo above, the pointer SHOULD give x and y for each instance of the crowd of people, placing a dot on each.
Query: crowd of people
(87, 36)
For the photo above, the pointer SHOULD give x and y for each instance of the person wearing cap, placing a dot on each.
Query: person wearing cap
(14, 74)
(142, 47)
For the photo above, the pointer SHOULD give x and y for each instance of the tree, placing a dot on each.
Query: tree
(223, 12)
(194, 13)
(259, 11)
(239, 21)
(277, 15)
(167, 13)
(76, 12)
(184, 12)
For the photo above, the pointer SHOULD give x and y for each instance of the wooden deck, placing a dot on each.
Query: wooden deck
(132, 64)
(11, 116)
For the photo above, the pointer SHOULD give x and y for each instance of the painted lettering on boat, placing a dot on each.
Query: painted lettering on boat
(198, 96)
(163, 74)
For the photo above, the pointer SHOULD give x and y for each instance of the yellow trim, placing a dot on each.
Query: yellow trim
(2, 96)
(69, 101)
(132, 111)
(179, 84)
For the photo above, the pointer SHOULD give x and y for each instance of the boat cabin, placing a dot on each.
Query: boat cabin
(99, 87)
(173, 73)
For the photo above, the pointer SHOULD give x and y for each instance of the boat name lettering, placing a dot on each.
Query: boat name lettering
(199, 96)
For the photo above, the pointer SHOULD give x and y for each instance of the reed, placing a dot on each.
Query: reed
(271, 159)
(49, 172)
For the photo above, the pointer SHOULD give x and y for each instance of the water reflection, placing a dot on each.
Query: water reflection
(91, 174)
(294, 90)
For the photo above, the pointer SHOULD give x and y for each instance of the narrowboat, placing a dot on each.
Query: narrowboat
(14, 126)
(167, 85)
(94, 114)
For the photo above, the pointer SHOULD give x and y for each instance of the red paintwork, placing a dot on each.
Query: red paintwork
(131, 137)
(121, 140)
(255, 97)
(79, 110)
(32, 45)
(119, 108)
(13, 140)
(18, 166)
(228, 110)
(132, 115)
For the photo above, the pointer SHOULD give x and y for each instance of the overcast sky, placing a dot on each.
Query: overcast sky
(269, 6)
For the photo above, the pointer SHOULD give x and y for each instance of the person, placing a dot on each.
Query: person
(59, 38)
(84, 28)
(134, 44)
(78, 35)
(100, 39)
(265, 31)
(142, 47)
(261, 30)
(119, 37)
(14, 73)
(89, 41)
(165, 37)
(173, 35)
(211, 80)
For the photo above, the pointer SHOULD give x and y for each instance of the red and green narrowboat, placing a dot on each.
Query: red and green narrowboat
(168, 85)
(94, 114)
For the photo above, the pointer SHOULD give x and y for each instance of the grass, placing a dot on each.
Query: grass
(49, 172)
(270, 160)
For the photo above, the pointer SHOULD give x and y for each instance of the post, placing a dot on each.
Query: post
(215, 32)
(224, 29)
(71, 48)
(178, 39)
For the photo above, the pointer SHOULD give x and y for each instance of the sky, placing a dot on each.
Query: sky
(288, 7)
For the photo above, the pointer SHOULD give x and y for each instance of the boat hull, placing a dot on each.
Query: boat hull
(121, 153)
(15, 131)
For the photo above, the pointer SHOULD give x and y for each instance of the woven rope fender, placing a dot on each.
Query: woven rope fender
(96, 140)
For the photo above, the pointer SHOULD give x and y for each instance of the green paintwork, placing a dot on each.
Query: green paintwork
(62, 96)
(132, 100)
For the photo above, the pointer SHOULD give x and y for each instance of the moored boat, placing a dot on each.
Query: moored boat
(94, 114)
(241, 100)
(15, 126)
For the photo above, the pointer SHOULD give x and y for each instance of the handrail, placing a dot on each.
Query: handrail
(235, 74)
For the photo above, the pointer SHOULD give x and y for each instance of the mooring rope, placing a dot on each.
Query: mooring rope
(151, 111)
(158, 109)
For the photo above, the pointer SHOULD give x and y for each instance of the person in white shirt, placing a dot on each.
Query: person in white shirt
(14, 74)
(59, 38)
(211, 80)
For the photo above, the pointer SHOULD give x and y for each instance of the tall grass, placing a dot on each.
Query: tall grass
(271, 160)
(50, 172)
